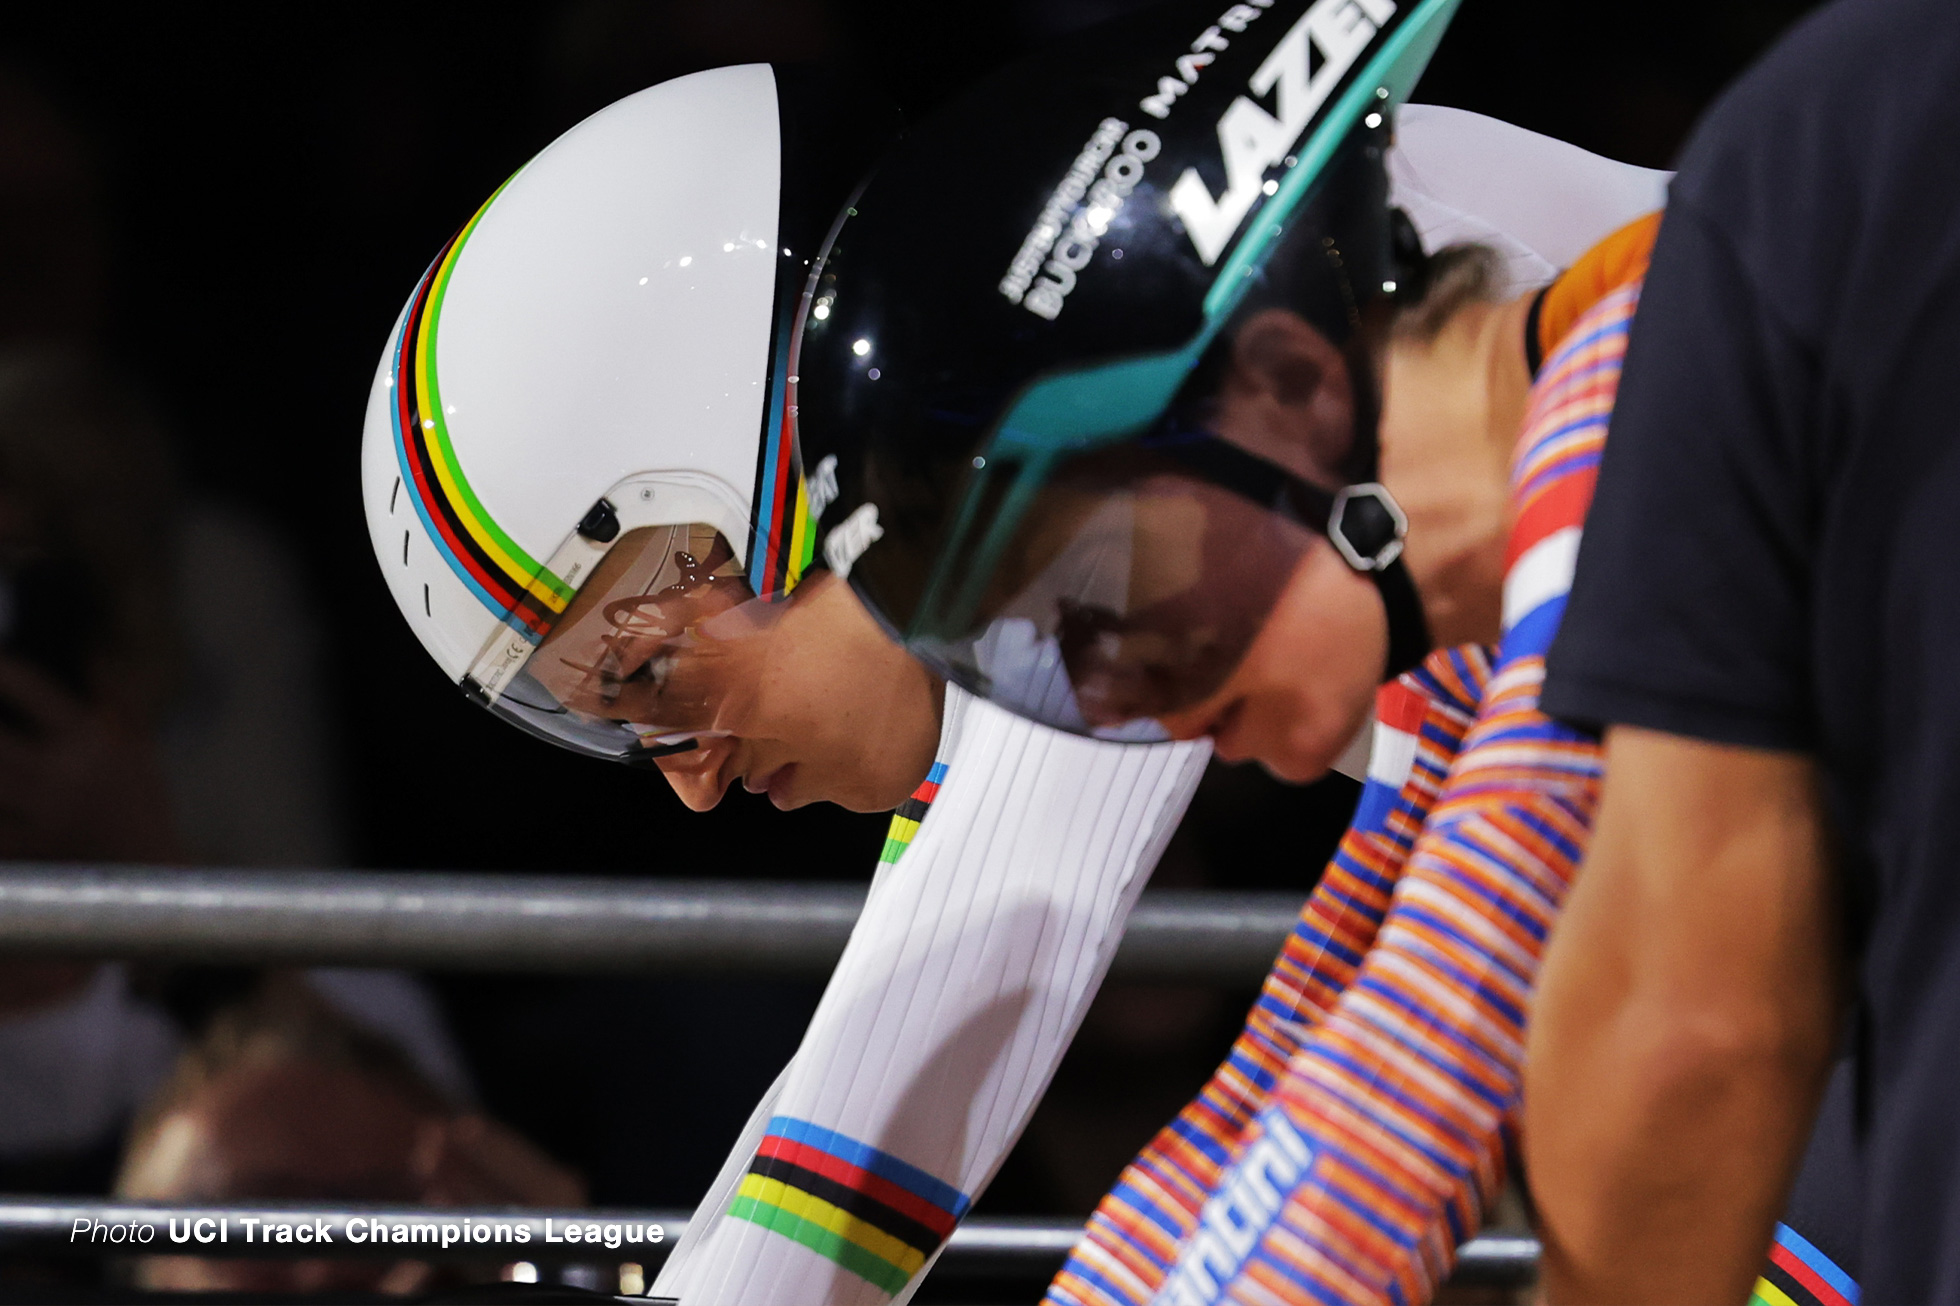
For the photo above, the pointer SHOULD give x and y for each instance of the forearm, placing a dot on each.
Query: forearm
(1136, 1233)
(963, 981)
(1660, 1155)
(1683, 1025)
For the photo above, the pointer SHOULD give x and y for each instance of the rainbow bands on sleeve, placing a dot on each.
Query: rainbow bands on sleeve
(875, 1215)
(512, 584)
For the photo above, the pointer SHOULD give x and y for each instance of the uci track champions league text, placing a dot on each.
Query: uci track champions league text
(409, 1235)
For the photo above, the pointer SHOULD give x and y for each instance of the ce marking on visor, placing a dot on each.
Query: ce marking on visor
(1367, 526)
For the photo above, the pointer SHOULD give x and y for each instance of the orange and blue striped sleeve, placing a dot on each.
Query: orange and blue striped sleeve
(1353, 1173)
(1136, 1231)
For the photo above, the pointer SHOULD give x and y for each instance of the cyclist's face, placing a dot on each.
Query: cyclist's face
(1205, 568)
(805, 699)
(663, 657)
(819, 707)
(1307, 684)
(1307, 680)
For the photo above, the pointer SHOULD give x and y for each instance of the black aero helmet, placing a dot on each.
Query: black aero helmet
(1014, 374)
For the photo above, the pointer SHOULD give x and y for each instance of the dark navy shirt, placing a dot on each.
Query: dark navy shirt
(1773, 555)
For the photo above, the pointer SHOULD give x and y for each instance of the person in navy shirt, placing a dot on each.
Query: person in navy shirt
(1765, 620)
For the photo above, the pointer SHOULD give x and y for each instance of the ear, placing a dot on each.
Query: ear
(1287, 395)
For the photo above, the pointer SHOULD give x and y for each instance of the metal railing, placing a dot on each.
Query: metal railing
(453, 921)
(979, 1247)
(530, 923)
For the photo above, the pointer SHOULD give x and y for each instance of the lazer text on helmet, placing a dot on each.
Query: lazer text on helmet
(1305, 67)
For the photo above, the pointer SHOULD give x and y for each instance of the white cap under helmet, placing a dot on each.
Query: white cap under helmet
(597, 359)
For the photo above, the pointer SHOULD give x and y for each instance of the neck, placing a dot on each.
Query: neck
(1455, 405)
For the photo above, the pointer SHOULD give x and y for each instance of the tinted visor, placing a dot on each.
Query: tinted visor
(637, 665)
(1110, 589)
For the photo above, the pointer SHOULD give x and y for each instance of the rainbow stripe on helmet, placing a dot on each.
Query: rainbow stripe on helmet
(785, 533)
(510, 582)
(524, 592)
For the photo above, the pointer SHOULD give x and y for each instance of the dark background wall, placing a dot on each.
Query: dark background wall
(271, 187)
(232, 204)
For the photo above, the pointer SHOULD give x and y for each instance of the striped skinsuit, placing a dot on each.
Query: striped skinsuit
(1358, 1130)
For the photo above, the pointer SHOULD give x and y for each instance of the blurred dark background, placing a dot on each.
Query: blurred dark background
(227, 213)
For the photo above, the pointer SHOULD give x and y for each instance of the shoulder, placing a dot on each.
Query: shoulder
(1565, 421)
(1579, 369)
(994, 760)
(1557, 466)
(1841, 131)
(1837, 78)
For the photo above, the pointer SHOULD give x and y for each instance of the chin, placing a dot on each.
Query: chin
(1296, 770)
(850, 799)
(870, 802)
(1292, 750)
(1281, 760)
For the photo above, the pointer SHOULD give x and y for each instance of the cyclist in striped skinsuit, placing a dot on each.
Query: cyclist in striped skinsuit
(1356, 1133)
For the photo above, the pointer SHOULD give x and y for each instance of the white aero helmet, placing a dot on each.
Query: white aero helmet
(577, 458)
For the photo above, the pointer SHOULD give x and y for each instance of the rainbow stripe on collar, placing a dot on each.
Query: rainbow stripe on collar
(1798, 1274)
(905, 821)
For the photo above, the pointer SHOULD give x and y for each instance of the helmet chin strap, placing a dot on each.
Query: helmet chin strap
(1369, 527)
(1362, 521)
(1408, 633)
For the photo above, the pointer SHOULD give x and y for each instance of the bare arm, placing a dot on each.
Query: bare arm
(1683, 1023)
